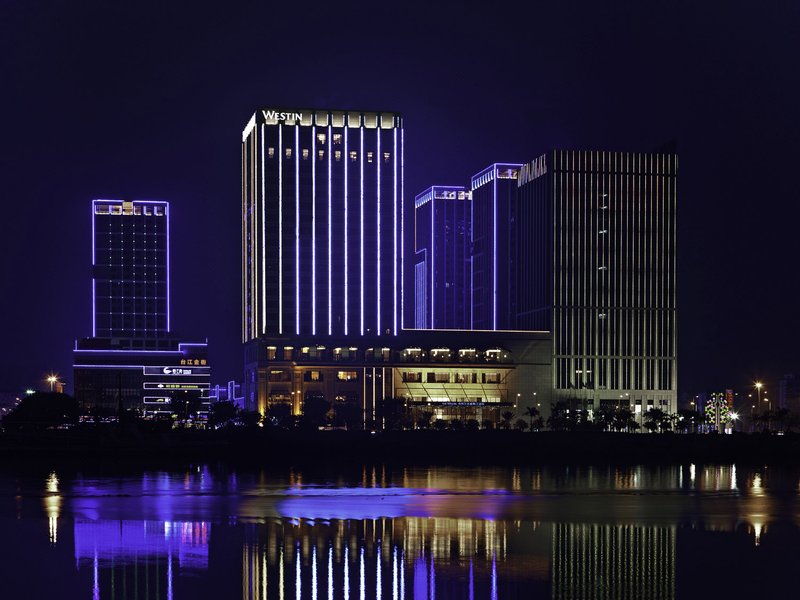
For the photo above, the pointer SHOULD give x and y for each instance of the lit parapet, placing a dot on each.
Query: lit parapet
(493, 172)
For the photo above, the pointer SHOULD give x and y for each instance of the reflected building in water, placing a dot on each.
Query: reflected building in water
(139, 559)
(612, 561)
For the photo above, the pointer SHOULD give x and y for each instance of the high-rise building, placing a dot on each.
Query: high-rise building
(596, 249)
(442, 224)
(322, 223)
(492, 279)
(133, 361)
(130, 269)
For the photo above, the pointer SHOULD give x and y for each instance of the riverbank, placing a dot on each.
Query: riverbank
(287, 448)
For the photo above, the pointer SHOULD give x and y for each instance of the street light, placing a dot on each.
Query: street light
(52, 379)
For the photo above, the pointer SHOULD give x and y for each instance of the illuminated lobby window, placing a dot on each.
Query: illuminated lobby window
(347, 375)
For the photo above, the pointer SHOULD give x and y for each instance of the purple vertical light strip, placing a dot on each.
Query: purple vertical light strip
(280, 228)
(494, 253)
(433, 258)
(263, 298)
(471, 260)
(330, 216)
(314, 229)
(394, 230)
(361, 225)
(402, 231)
(297, 227)
(378, 241)
(346, 159)
(166, 212)
(94, 280)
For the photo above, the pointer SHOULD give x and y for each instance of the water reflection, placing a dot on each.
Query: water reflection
(566, 532)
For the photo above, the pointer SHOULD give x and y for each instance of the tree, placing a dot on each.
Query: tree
(538, 423)
(532, 412)
(440, 424)
(656, 419)
(222, 413)
(473, 425)
(487, 424)
(43, 410)
(520, 425)
(424, 419)
(604, 418)
(558, 419)
(456, 424)
(506, 418)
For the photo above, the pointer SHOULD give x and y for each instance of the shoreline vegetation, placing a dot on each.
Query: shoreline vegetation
(281, 448)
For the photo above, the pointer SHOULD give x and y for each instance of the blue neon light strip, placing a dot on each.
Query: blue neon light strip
(314, 230)
(394, 230)
(433, 261)
(494, 255)
(378, 241)
(361, 227)
(280, 229)
(330, 216)
(263, 298)
(402, 232)
(346, 160)
(297, 228)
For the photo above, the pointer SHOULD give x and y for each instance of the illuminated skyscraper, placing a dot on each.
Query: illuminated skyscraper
(322, 223)
(492, 279)
(130, 269)
(442, 218)
(596, 248)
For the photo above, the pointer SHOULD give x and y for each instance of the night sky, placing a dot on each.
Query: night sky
(147, 101)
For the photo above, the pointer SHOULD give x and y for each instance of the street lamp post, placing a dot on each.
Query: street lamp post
(52, 379)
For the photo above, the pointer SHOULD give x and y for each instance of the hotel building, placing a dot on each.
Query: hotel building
(322, 223)
(596, 267)
(133, 361)
(442, 239)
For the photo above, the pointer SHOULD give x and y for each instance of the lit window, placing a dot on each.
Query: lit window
(338, 155)
(288, 153)
(337, 138)
(271, 152)
(386, 156)
(305, 153)
(347, 375)
(353, 155)
(315, 376)
(369, 156)
(321, 138)
(321, 154)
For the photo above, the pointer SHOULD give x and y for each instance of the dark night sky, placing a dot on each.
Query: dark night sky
(140, 100)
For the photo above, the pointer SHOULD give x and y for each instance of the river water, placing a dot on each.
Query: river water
(683, 531)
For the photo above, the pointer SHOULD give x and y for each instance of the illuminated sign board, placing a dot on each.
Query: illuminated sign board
(271, 115)
(177, 370)
(148, 385)
(157, 400)
(533, 170)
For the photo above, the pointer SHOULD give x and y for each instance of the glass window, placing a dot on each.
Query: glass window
(305, 153)
(271, 152)
(386, 156)
(347, 376)
(353, 155)
(288, 153)
(337, 138)
(321, 137)
(337, 155)
(369, 156)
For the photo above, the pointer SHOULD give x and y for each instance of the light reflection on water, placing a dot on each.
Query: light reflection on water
(567, 532)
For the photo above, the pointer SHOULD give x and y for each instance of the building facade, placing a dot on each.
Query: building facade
(596, 248)
(130, 269)
(133, 361)
(168, 377)
(493, 254)
(442, 238)
(322, 223)
(450, 375)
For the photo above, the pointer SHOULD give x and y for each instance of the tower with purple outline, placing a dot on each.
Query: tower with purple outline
(130, 269)
(442, 238)
(492, 277)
